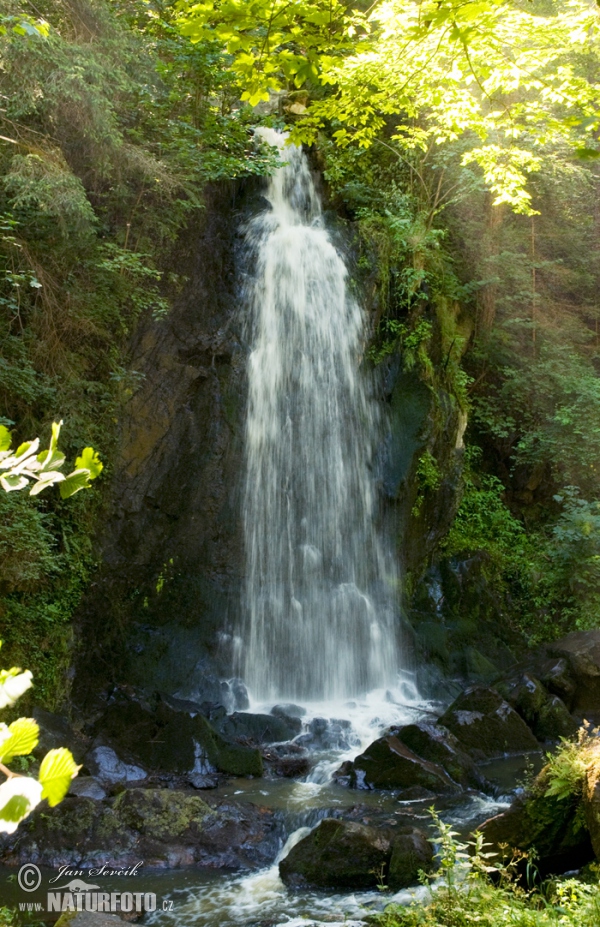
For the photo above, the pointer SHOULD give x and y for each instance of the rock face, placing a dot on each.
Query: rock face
(171, 545)
(163, 827)
(486, 726)
(343, 854)
(388, 763)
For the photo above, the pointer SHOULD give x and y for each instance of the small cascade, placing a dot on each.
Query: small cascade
(320, 610)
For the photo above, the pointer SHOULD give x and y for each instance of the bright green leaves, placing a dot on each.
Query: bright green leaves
(56, 771)
(18, 739)
(513, 84)
(24, 25)
(13, 683)
(273, 43)
(43, 469)
(19, 795)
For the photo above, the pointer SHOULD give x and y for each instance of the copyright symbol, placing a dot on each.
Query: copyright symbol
(29, 877)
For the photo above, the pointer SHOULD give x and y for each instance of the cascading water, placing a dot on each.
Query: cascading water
(319, 606)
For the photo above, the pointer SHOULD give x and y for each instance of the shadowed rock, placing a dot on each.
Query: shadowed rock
(486, 726)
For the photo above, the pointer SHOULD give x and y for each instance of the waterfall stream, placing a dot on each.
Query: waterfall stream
(320, 586)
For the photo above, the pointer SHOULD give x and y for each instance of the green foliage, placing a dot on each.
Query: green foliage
(483, 522)
(111, 124)
(20, 794)
(567, 767)
(56, 771)
(43, 470)
(272, 43)
(474, 887)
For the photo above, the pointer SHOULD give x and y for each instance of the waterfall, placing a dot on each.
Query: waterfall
(319, 599)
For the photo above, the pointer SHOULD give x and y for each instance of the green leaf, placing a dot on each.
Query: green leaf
(57, 769)
(13, 481)
(15, 809)
(5, 438)
(89, 460)
(78, 479)
(49, 480)
(23, 737)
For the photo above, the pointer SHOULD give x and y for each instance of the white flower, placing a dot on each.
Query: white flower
(13, 688)
(24, 786)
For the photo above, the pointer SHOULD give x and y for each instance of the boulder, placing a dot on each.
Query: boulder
(546, 714)
(259, 729)
(164, 827)
(348, 854)
(486, 726)
(174, 741)
(287, 760)
(411, 854)
(337, 854)
(387, 763)
(435, 743)
(105, 766)
(553, 827)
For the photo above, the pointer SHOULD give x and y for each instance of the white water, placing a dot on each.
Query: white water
(320, 591)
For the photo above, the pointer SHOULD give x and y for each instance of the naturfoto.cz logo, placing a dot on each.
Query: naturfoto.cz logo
(79, 895)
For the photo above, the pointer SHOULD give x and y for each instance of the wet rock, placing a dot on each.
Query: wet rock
(288, 710)
(546, 715)
(200, 781)
(411, 854)
(486, 726)
(387, 763)
(552, 826)
(164, 827)
(327, 734)
(337, 854)
(174, 741)
(290, 761)
(104, 764)
(87, 787)
(259, 729)
(436, 744)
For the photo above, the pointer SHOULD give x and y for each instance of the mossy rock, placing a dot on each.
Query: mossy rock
(164, 827)
(554, 827)
(412, 853)
(173, 741)
(486, 726)
(337, 854)
(546, 715)
(436, 744)
(388, 763)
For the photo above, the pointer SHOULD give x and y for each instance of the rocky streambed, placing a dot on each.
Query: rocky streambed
(308, 810)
